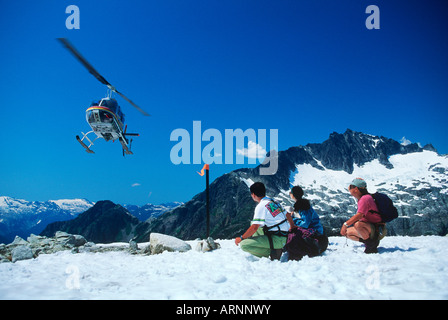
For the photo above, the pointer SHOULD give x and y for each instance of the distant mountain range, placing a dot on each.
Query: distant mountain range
(415, 177)
(150, 211)
(21, 217)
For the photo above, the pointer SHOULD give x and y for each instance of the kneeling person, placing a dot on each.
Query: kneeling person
(267, 234)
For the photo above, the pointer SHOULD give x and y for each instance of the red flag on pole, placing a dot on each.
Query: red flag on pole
(205, 167)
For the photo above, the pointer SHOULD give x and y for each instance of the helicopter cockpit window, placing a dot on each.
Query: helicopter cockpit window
(90, 117)
(106, 116)
(111, 104)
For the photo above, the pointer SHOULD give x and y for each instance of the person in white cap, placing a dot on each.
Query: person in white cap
(361, 227)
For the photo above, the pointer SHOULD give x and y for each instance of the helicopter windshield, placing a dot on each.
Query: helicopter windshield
(111, 104)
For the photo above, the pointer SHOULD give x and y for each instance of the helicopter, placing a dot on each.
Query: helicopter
(104, 116)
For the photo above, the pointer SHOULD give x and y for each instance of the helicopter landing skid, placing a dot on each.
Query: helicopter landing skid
(84, 136)
(125, 147)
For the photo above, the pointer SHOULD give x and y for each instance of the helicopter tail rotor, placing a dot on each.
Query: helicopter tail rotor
(129, 134)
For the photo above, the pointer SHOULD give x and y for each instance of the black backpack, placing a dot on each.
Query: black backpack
(386, 208)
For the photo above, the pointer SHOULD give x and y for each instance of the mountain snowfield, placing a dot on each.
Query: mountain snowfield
(410, 172)
(416, 170)
(404, 268)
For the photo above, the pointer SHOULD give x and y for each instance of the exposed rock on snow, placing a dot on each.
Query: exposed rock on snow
(21, 253)
(160, 242)
(21, 249)
(74, 240)
(207, 245)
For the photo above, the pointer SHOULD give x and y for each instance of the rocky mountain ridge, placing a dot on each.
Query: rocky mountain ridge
(105, 222)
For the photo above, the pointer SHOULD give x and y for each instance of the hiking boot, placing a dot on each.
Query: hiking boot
(276, 254)
(371, 245)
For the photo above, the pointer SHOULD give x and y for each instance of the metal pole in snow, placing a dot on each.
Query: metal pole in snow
(207, 194)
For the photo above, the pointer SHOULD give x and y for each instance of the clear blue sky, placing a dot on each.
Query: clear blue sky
(306, 68)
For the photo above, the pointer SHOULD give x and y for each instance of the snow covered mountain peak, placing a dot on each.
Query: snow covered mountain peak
(21, 217)
(9, 205)
(73, 205)
(413, 170)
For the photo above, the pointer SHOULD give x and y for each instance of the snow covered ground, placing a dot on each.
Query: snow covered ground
(405, 268)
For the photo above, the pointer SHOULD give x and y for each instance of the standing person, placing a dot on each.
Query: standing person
(267, 234)
(362, 226)
(307, 235)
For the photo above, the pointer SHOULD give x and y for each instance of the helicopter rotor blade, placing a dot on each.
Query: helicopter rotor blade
(95, 73)
(132, 103)
(81, 59)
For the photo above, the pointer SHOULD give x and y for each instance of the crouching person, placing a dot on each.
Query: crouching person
(267, 234)
(365, 226)
(306, 237)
